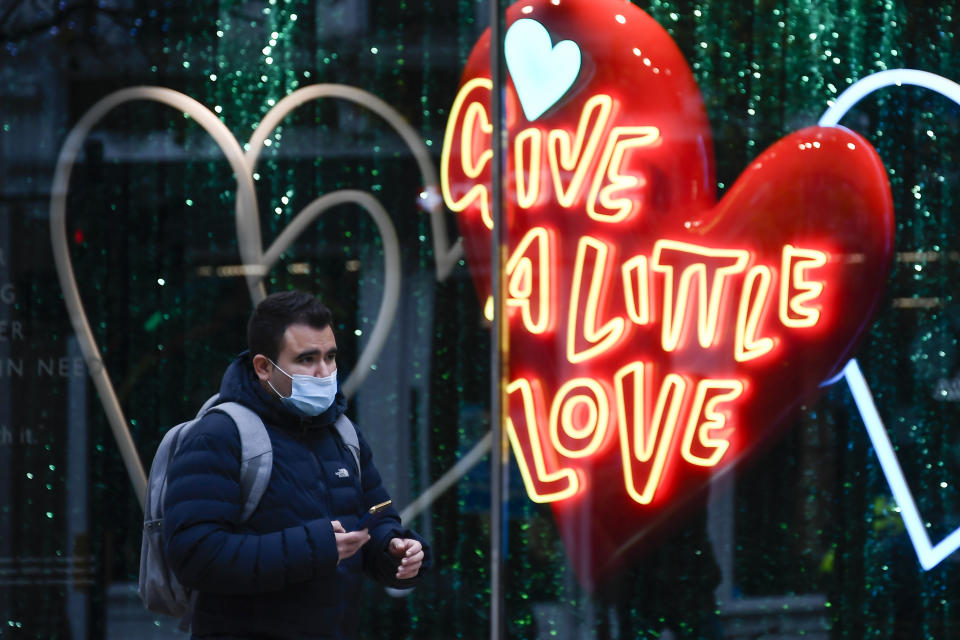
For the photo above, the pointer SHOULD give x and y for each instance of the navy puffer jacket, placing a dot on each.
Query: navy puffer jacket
(275, 575)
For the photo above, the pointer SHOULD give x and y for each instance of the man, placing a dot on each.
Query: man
(293, 569)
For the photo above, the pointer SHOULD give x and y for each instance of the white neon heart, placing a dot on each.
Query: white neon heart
(256, 261)
(542, 73)
(928, 554)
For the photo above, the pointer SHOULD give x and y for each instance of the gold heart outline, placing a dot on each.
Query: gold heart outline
(248, 229)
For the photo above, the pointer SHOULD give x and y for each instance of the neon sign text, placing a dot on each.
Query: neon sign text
(699, 288)
(646, 437)
(612, 197)
(654, 335)
(692, 297)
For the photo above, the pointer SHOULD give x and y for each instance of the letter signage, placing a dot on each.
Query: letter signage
(656, 336)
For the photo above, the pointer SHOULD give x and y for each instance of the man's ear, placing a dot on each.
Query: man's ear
(262, 367)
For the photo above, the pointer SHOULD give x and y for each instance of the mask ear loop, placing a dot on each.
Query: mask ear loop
(274, 389)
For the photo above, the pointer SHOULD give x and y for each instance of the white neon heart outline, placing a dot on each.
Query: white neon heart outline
(248, 231)
(928, 554)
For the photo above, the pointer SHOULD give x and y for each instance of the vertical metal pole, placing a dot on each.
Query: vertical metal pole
(78, 525)
(497, 235)
(8, 429)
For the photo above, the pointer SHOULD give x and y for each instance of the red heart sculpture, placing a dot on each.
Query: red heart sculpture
(656, 338)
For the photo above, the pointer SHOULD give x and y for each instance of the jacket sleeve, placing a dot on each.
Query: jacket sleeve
(377, 561)
(208, 548)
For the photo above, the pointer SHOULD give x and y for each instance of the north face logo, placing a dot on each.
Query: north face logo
(342, 473)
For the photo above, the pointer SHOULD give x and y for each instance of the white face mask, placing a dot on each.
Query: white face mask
(309, 396)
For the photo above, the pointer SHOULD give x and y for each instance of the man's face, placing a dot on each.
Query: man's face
(306, 351)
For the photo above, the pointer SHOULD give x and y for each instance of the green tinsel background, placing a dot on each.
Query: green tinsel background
(814, 516)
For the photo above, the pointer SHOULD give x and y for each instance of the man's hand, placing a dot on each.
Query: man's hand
(410, 553)
(348, 543)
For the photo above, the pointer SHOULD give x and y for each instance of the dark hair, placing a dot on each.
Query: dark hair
(276, 312)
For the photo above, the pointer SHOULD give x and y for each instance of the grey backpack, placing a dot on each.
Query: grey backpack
(159, 588)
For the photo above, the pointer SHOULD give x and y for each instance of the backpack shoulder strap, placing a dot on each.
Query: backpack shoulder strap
(348, 433)
(209, 404)
(163, 459)
(159, 471)
(256, 455)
